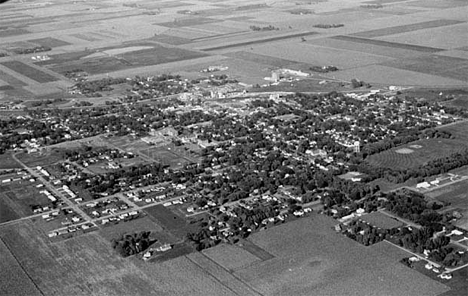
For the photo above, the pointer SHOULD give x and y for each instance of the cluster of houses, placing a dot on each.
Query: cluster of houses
(70, 229)
(106, 207)
(117, 218)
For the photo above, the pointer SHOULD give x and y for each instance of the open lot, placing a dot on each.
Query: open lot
(87, 265)
(130, 227)
(170, 221)
(17, 197)
(311, 259)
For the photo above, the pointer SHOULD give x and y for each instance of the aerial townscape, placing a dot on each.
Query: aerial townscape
(234, 147)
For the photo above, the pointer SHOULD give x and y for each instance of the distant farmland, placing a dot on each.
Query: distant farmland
(30, 72)
(146, 57)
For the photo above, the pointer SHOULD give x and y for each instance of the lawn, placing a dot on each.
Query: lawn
(312, 259)
(87, 265)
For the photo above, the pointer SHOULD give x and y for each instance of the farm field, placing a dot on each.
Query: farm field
(87, 265)
(30, 72)
(310, 258)
(231, 257)
(401, 43)
(14, 274)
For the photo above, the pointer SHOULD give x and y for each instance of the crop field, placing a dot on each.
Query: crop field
(169, 39)
(311, 259)
(12, 32)
(260, 41)
(169, 220)
(130, 227)
(444, 66)
(261, 59)
(423, 49)
(87, 265)
(30, 72)
(11, 274)
(222, 275)
(374, 49)
(188, 22)
(231, 257)
(380, 220)
(430, 149)
(406, 28)
(147, 57)
(49, 42)
(6, 212)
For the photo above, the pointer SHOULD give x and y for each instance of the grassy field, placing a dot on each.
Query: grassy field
(18, 196)
(87, 265)
(30, 72)
(117, 230)
(170, 221)
(430, 149)
(7, 162)
(311, 259)
(41, 158)
(380, 220)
